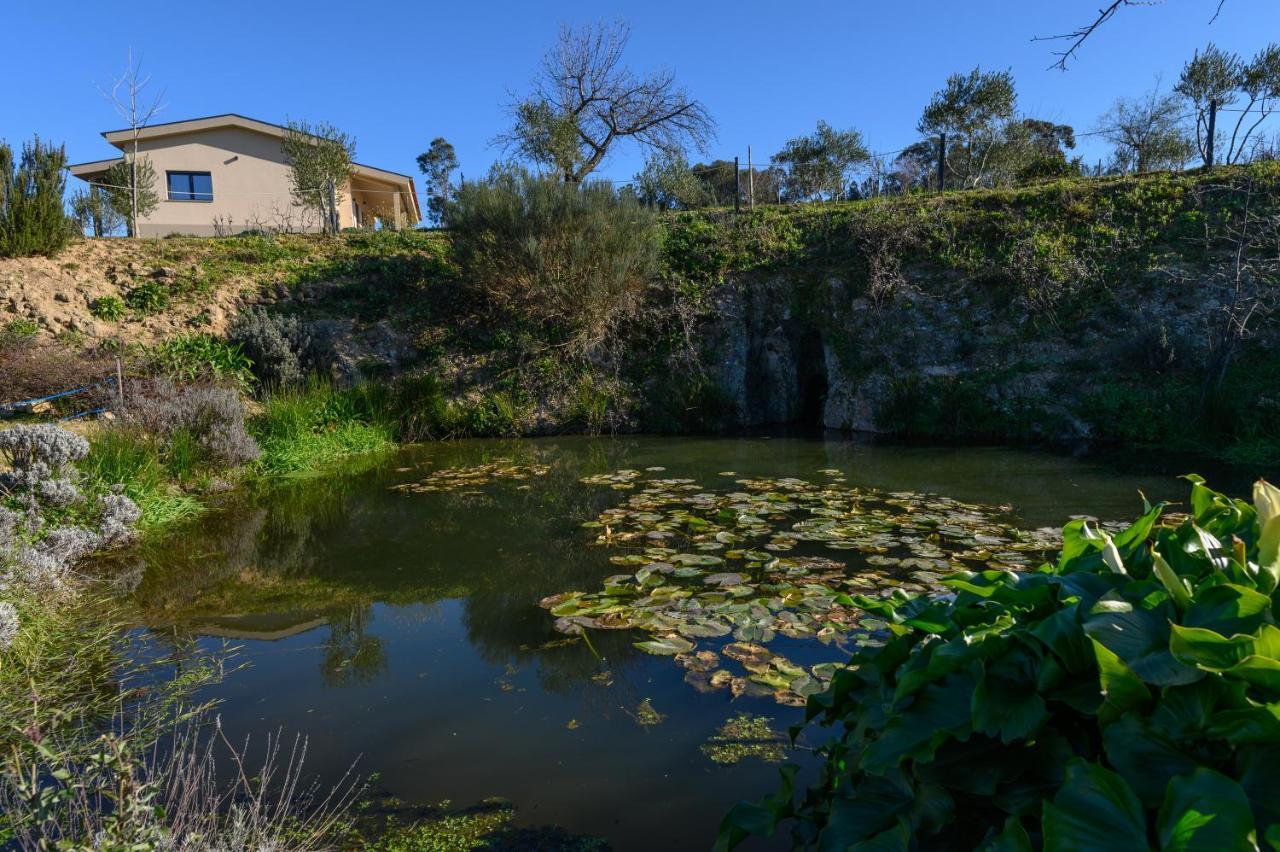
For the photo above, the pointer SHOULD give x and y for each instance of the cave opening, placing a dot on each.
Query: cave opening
(812, 370)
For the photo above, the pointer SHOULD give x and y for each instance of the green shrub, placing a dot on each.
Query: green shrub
(190, 357)
(574, 258)
(108, 308)
(149, 297)
(18, 330)
(1126, 697)
(32, 218)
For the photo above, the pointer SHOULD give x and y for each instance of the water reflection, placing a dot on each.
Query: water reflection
(405, 627)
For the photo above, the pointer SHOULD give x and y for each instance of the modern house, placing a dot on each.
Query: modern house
(228, 173)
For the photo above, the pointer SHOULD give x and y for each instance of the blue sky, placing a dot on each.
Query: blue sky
(399, 72)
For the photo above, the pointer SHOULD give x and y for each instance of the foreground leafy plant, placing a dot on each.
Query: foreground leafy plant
(1126, 697)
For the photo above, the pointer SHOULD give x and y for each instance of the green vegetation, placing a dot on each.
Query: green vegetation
(109, 308)
(573, 259)
(151, 478)
(32, 221)
(1104, 701)
(301, 431)
(484, 826)
(191, 357)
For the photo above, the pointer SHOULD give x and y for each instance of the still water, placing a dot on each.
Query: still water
(404, 629)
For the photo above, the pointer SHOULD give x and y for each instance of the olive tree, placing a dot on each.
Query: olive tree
(819, 165)
(972, 110)
(585, 100)
(1214, 79)
(319, 156)
(1147, 133)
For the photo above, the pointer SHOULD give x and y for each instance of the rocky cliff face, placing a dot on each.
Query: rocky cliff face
(944, 355)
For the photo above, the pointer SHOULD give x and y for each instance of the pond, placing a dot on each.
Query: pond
(403, 626)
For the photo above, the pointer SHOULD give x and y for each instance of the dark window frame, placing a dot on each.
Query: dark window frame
(190, 193)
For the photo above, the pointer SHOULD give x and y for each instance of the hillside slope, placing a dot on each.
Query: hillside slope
(1137, 310)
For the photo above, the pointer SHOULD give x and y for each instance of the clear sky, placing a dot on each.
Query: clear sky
(398, 72)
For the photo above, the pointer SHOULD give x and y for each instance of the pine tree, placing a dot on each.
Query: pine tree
(32, 218)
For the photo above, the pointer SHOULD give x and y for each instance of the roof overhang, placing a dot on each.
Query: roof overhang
(94, 169)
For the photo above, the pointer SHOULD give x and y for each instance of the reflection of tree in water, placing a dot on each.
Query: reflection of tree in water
(331, 547)
(351, 655)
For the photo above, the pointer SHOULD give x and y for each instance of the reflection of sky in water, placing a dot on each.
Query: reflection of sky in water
(405, 629)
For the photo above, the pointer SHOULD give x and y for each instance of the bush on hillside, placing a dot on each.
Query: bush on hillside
(204, 422)
(283, 350)
(32, 219)
(574, 258)
(1123, 698)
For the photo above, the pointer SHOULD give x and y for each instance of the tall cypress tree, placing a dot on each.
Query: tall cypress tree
(32, 217)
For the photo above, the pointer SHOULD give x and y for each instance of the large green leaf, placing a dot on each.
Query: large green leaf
(1012, 838)
(1205, 812)
(1212, 651)
(1122, 690)
(1096, 810)
(1266, 501)
(1228, 609)
(872, 808)
(1258, 770)
(932, 716)
(1139, 636)
(1144, 758)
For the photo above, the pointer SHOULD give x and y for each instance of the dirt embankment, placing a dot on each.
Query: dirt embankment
(160, 292)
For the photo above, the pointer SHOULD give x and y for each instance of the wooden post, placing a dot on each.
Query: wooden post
(751, 182)
(1213, 129)
(737, 187)
(120, 383)
(942, 163)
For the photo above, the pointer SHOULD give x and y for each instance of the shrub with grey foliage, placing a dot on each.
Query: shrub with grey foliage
(36, 550)
(283, 349)
(211, 415)
(37, 454)
(8, 624)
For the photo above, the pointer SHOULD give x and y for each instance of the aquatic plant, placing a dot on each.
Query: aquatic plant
(455, 478)
(1124, 696)
(745, 737)
(726, 565)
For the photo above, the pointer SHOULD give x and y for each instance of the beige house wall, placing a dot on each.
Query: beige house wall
(250, 181)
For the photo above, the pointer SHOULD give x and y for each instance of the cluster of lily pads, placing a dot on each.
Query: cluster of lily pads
(458, 478)
(743, 566)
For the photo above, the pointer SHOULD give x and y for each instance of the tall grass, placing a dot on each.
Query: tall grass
(305, 430)
(98, 751)
(129, 457)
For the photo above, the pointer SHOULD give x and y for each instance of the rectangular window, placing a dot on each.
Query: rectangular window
(190, 186)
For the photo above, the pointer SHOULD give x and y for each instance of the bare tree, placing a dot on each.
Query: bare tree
(127, 94)
(1077, 37)
(1147, 133)
(585, 100)
(1249, 283)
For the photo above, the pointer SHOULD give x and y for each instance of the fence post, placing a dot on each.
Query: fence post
(120, 383)
(942, 163)
(1213, 125)
(737, 187)
(751, 182)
